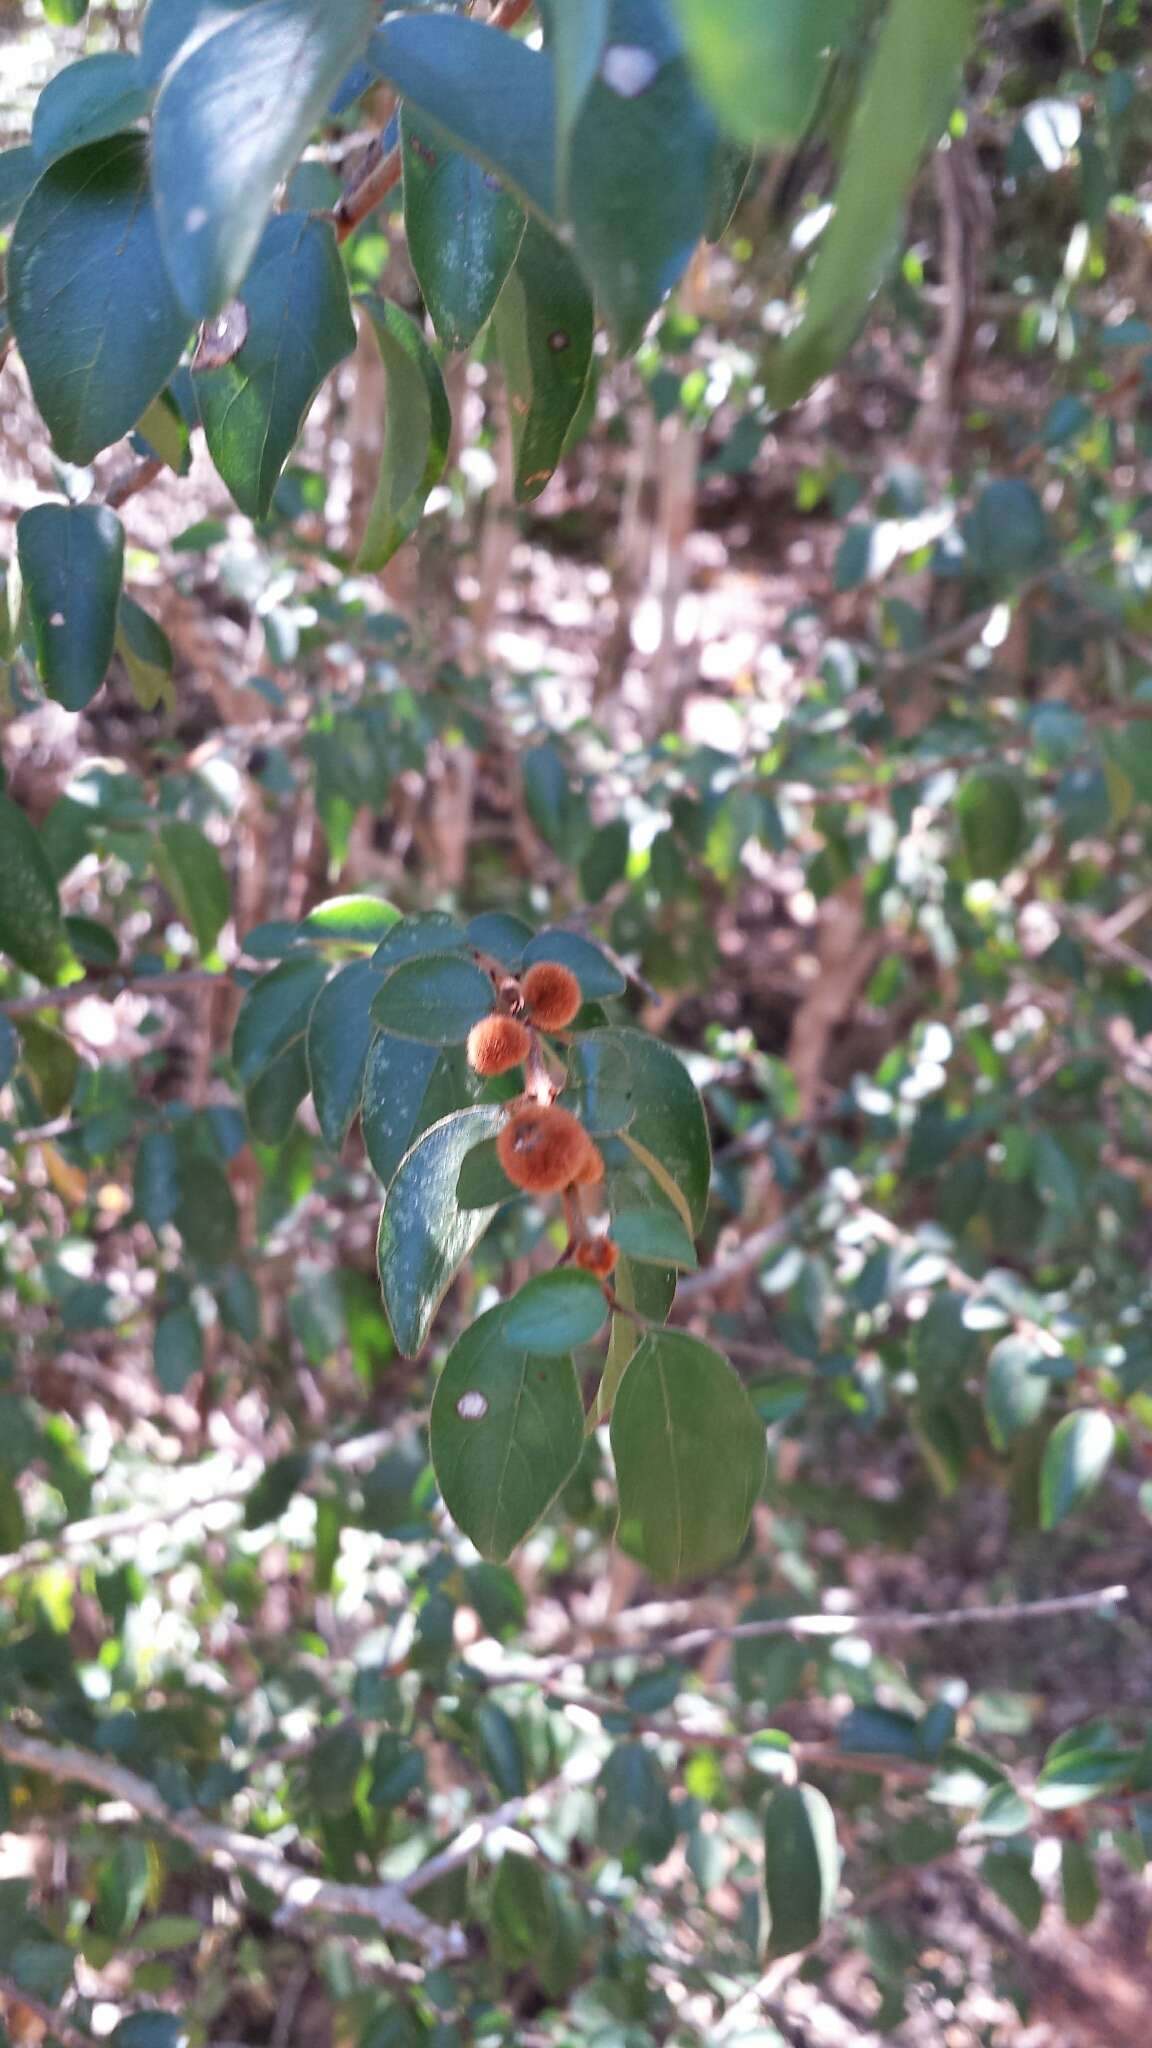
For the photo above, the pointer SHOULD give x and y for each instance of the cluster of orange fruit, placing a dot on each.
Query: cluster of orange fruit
(542, 1148)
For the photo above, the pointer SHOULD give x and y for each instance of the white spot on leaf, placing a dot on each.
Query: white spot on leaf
(57, 619)
(628, 69)
(195, 219)
(472, 1407)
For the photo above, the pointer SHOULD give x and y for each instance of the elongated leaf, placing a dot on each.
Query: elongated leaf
(436, 1000)
(299, 327)
(993, 821)
(239, 99)
(417, 429)
(350, 921)
(178, 1349)
(556, 1311)
(146, 652)
(340, 1033)
(762, 66)
(194, 873)
(636, 1817)
(1015, 1391)
(478, 90)
(65, 13)
(689, 1450)
(95, 317)
(1087, 20)
(425, 1236)
(19, 171)
(578, 31)
(801, 1866)
(400, 1099)
(642, 155)
(1076, 1457)
(1079, 1887)
(164, 430)
(544, 330)
(602, 1092)
(507, 1430)
(93, 98)
(274, 1014)
(31, 928)
(463, 232)
(653, 1236)
(906, 99)
(72, 562)
(668, 1119)
(414, 938)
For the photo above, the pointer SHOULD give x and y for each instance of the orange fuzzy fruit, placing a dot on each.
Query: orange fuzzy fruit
(552, 994)
(592, 1169)
(543, 1148)
(497, 1044)
(597, 1255)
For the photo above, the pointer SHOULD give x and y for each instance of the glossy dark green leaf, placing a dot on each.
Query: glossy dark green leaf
(95, 317)
(636, 1818)
(1079, 1886)
(275, 1488)
(299, 327)
(31, 929)
(205, 1212)
(340, 1033)
(436, 1000)
(762, 66)
(655, 1236)
(481, 91)
(72, 563)
(577, 32)
(801, 1866)
(463, 232)
(87, 101)
(1074, 1776)
(1008, 1872)
(1007, 534)
(730, 174)
(272, 1099)
(417, 429)
(274, 1013)
(146, 651)
(601, 1089)
(993, 821)
(483, 1183)
(1015, 1389)
(238, 101)
(905, 101)
(399, 1100)
(535, 1921)
(641, 163)
(597, 975)
(164, 431)
(689, 1451)
(556, 1311)
(414, 938)
(193, 872)
(1076, 1457)
(425, 1236)
(179, 1349)
(51, 1060)
(544, 330)
(507, 1430)
(605, 860)
(668, 1120)
(1087, 20)
(502, 936)
(500, 1749)
(19, 171)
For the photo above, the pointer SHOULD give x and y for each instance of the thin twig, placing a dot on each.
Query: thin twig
(108, 986)
(129, 482)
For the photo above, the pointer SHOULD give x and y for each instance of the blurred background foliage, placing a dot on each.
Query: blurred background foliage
(836, 726)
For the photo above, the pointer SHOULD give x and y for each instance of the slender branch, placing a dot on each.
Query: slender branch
(298, 1891)
(374, 181)
(130, 481)
(108, 986)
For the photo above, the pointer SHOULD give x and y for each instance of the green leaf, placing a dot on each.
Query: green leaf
(605, 861)
(1087, 20)
(205, 1213)
(340, 1033)
(479, 90)
(238, 101)
(1007, 534)
(689, 1451)
(274, 1014)
(402, 1084)
(536, 1922)
(601, 1090)
(642, 155)
(544, 331)
(1015, 1390)
(1074, 1776)
(500, 1749)
(164, 430)
(636, 1818)
(299, 327)
(483, 1183)
(501, 935)
(556, 806)
(596, 974)
(577, 32)
(86, 102)
(94, 314)
(1076, 1457)
(350, 921)
(31, 929)
(801, 1866)
(761, 66)
(654, 1236)
(72, 563)
(993, 821)
(276, 1487)
(1008, 1872)
(669, 1121)
(146, 651)
(273, 1098)
(19, 171)
(425, 1236)
(52, 1062)
(730, 176)
(906, 99)
(436, 999)
(65, 13)
(507, 1430)
(1078, 1883)
(414, 938)
(556, 1311)
(193, 873)
(417, 429)
(463, 232)
(179, 1349)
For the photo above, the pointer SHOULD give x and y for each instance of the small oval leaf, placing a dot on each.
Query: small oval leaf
(556, 1311)
(436, 999)
(801, 1866)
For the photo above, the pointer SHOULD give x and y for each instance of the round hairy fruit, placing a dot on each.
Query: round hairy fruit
(597, 1255)
(497, 1044)
(543, 1148)
(592, 1169)
(552, 994)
